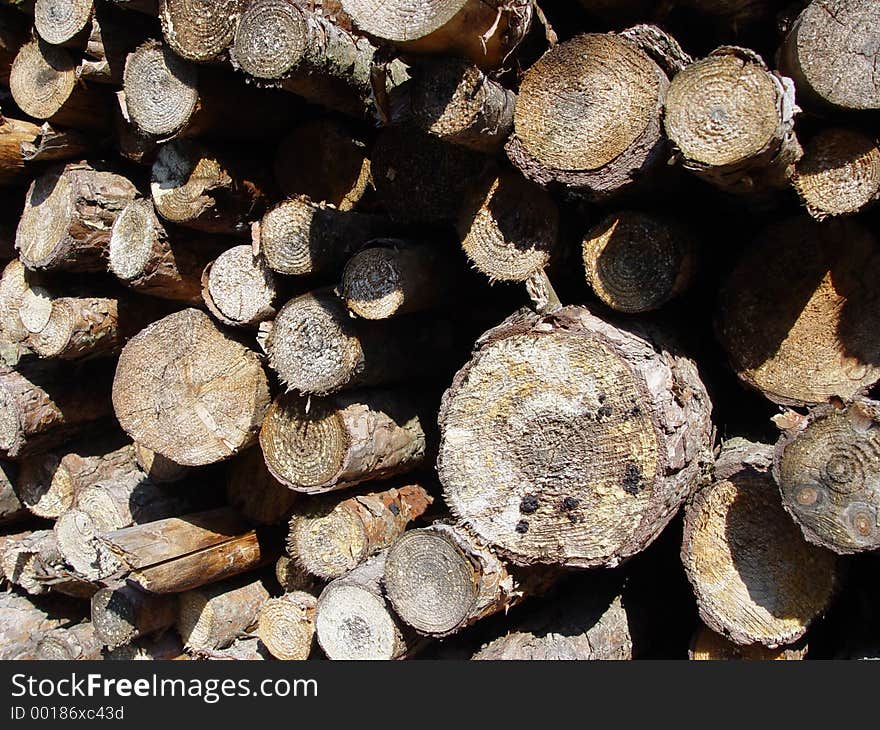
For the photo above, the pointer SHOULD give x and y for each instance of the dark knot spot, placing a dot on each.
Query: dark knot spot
(570, 503)
(529, 504)
(522, 527)
(632, 479)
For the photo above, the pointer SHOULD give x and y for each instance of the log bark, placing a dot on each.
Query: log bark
(354, 620)
(194, 188)
(12, 507)
(286, 626)
(709, 646)
(827, 469)
(188, 391)
(300, 237)
(756, 580)
(831, 52)
(23, 623)
(562, 137)
(390, 277)
(68, 214)
(200, 30)
(508, 227)
(253, 491)
(839, 173)
(152, 259)
(570, 441)
(812, 287)
(34, 562)
(247, 648)
(22, 143)
(212, 618)
(239, 288)
(332, 536)
(124, 614)
(319, 445)
(731, 120)
(637, 262)
(68, 644)
(485, 33)
(159, 469)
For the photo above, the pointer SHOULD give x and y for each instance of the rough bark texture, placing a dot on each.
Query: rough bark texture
(68, 644)
(709, 646)
(24, 623)
(34, 562)
(22, 143)
(569, 441)
(319, 445)
(253, 491)
(813, 288)
(239, 288)
(286, 625)
(123, 614)
(199, 30)
(188, 391)
(756, 580)
(12, 507)
(165, 646)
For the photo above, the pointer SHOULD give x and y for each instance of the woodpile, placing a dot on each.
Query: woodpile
(485, 329)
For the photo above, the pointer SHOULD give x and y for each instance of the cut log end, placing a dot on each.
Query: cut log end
(709, 646)
(132, 240)
(330, 544)
(160, 89)
(239, 288)
(284, 236)
(43, 227)
(58, 21)
(122, 615)
(271, 39)
(199, 30)
(77, 535)
(42, 79)
(287, 626)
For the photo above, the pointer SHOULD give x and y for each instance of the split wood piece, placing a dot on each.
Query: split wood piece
(193, 188)
(455, 101)
(831, 52)
(637, 262)
(160, 647)
(239, 288)
(213, 617)
(485, 32)
(828, 470)
(12, 506)
(189, 391)
(68, 215)
(731, 120)
(60, 21)
(316, 347)
(24, 622)
(320, 445)
(68, 644)
(284, 43)
(22, 143)
(151, 259)
(123, 614)
(157, 467)
(332, 536)
(756, 580)
(569, 441)
(42, 406)
(813, 289)
(400, 161)
(839, 173)
(709, 646)
(588, 116)
(253, 491)
(45, 85)
(440, 579)
(324, 161)
(508, 227)
(292, 577)
(390, 277)
(34, 562)
(15, 283)
(355, 621)
(49, 482)
(200, 30)
(300, 237)
(181, 553)
(286, 625)
(586, 626)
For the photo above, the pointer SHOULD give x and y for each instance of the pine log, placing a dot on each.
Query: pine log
(563, 135)
(45, 86)
(709, 646)
(508, 227)
(12, 507)
(286, 625)
(828, 472)
(299, 237)
(16, 281)
(440, 579)
(193, 188)
(181, 553)
(165, 646)
(24, 622)
(756, 580)
(239, 288)
(253, 491)
(839, 173)
(200, 30)
(131, 142)
(812, 287)
(34, 562)
(152, 259)
(292, 577)
(59, 21)
(67, 644)
(332, 536)
(355, 621)
(832, 52)
(188, 391)
(569, 441)
(390, 277)
(68, 214)
(123, 614)
(325, 161)
(246, 647)
(319, 445)
(213, 617)
(455, 101)
(637, 262)
(23, 142)
(485, 32)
